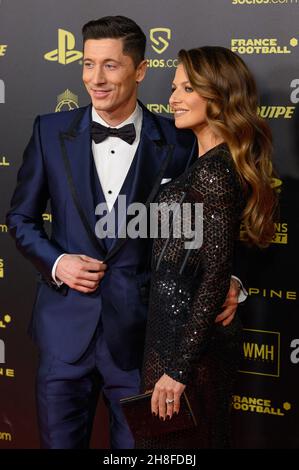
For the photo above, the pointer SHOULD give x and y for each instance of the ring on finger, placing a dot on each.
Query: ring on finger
(169, 401)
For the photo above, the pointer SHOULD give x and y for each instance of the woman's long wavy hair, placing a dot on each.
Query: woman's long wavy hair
(223, 79)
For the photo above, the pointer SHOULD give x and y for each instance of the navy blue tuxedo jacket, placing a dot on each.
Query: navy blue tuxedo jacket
(64, 320)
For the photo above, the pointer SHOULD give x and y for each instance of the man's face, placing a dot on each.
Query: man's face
(111, 78)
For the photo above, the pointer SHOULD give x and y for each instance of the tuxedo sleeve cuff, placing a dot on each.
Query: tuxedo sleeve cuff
(57, 281)
(243, 294)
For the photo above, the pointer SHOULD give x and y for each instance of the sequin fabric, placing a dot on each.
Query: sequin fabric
(188, 289)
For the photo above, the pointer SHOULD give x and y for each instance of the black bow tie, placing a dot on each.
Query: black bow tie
(100, 133)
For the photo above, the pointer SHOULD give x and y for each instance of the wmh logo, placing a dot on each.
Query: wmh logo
(261, 352)
(255, 351)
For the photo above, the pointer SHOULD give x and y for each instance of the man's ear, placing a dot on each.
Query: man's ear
(141, 71)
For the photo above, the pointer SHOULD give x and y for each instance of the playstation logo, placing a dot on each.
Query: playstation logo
(2, 92)
(65, 53)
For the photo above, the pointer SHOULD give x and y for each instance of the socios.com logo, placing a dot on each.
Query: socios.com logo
(160, 38)
(65, 53)
(265, 2)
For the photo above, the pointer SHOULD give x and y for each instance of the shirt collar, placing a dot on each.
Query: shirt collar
(135, 118)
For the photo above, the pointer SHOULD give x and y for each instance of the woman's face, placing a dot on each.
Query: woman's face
(188, 106)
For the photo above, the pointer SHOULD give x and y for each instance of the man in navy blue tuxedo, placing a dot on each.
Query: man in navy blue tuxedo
(90, 310)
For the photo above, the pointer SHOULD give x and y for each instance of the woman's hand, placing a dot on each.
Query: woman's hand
(230, 305)
(166, 397)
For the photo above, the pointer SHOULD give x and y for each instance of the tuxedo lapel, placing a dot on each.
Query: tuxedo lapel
(153, 156)
(76, 151)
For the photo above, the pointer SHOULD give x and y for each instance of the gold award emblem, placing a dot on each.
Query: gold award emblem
(66, 101)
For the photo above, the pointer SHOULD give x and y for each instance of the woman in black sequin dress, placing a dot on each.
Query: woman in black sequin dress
(214, 95)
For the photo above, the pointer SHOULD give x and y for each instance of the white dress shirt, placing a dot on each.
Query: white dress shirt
(113, 157)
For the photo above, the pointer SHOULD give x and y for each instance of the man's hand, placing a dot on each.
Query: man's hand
(230, 305)
(166, 397)
(80, 272)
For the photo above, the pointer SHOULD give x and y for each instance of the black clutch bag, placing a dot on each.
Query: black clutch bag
(143, 424)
